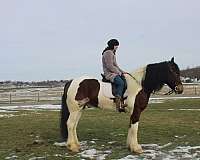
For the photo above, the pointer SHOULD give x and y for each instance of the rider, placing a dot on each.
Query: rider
(113, 73)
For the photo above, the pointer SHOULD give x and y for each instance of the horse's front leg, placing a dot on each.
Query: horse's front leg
(140, 104)
(132, 141)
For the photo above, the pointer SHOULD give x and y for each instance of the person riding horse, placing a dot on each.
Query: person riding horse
(89, 91)
(113, 73)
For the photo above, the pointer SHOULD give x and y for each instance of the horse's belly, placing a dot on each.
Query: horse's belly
(105, 103)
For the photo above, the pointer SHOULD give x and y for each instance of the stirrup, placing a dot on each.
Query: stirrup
(122, 110)
(122, 107)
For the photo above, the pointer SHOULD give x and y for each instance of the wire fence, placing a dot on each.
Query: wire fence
(31, 95)
(53, 95)
(190, 89)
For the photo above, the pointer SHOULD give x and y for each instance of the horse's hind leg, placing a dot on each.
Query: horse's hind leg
(72, 141)
(75, 133)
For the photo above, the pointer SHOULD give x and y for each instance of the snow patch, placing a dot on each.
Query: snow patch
(163, 99)
(95, 154)
(6, 111)
(10, 115)
(60, 144)
(174, 98)
(153, 151)
(155, 101)
(37, 158)
(32, 107)
(7, 115)
(112, 142)
(184, 109)
(86, 151)
(11, 157)
(93, 142)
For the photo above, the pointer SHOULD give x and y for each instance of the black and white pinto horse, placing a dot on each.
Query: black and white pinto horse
(89, 91)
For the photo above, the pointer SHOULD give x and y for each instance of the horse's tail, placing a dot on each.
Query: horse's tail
(64, 113)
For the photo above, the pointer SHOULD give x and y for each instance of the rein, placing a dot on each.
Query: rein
(169, 93)
(132, 77)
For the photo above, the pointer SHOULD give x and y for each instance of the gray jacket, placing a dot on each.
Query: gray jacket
(110, 67)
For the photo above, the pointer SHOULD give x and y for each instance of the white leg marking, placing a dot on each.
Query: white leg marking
(132, 140)
(75, 133)
(71, 123)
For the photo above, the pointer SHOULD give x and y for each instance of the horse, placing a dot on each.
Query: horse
(89, 91)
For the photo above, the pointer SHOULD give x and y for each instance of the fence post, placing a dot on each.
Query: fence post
(38, 99)
(195, 90)
(10, 99)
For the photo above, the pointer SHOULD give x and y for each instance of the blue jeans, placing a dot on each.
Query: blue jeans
(120, 85)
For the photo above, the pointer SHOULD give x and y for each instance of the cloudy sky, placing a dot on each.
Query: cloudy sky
(62, 39)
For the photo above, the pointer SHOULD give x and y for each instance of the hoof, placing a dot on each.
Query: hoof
(139, 151)
(136, 150)
(79, 146)
(73, 148)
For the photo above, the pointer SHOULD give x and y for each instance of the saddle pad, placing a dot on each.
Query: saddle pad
(107, 90)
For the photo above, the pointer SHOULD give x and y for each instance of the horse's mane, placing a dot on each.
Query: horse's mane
(154, 77)
(139, 74)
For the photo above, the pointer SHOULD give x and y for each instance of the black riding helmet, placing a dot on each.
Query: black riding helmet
(113, 42)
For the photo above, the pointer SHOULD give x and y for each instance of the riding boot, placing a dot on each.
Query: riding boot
(118, 102)
(119, 105)
(123, 104)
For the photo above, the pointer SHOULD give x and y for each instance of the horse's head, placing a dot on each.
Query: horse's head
(173, 77)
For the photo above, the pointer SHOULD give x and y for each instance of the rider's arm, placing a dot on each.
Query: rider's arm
(116, 65)
(109, 62)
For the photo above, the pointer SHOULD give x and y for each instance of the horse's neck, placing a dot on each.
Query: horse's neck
(134, 82)
(139, 74)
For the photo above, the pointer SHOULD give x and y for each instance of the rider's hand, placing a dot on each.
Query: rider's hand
(125, 73)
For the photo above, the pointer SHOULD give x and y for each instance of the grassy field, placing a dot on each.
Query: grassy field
(30, 134)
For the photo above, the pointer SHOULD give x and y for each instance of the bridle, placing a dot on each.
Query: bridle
(169, 93)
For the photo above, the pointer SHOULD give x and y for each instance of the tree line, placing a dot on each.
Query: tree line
(192, 73)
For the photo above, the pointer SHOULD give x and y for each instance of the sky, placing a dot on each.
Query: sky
(64, 39)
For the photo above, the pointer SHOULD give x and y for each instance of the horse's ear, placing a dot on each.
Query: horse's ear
(172, 60)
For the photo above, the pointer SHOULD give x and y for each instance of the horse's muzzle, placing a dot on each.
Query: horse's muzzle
(179, 89)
